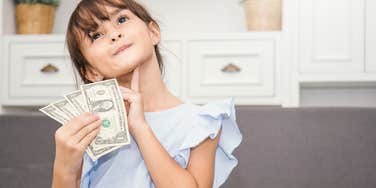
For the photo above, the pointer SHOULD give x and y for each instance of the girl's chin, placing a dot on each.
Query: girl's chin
(122, 60)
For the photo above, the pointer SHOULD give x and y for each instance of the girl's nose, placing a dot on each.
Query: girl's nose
(115, 38)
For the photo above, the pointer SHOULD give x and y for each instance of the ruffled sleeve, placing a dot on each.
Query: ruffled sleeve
(210, 119)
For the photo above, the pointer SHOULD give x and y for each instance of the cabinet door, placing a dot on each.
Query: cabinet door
(331, 36)
(37, 72)
(243, 68)
(371, 36)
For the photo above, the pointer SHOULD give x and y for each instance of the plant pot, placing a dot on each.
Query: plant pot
(263, 14)
(35, 18)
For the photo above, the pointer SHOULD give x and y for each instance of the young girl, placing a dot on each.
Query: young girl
(173, 143)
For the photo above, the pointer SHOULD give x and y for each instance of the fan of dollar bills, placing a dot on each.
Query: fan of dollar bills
(103, 99)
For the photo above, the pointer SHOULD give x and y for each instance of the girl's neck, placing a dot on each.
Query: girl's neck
(155, 94)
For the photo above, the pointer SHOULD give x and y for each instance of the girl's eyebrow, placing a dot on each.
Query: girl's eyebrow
(115, 12)
(112, 14)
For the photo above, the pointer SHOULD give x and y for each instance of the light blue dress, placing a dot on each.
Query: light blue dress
(178, 129)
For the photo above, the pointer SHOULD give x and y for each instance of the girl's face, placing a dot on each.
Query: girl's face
(119, 44)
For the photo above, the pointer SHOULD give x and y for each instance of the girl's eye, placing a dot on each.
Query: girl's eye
(122, 19)
(95, 36)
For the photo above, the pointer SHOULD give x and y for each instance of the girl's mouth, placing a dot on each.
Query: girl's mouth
(122, 48)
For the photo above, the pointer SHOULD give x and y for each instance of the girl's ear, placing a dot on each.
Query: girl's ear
(155, 32)
(93, 75)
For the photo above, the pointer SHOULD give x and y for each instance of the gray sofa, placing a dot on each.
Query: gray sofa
(282, 148)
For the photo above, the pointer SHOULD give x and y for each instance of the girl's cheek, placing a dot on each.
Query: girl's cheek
(97, 50)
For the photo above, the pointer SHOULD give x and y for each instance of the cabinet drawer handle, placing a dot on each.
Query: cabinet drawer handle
(231, 68)
(49, 69)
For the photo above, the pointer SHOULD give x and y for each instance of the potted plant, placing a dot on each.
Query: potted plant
(35, 16)
(262, 14)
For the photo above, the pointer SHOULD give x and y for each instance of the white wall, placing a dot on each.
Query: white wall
(201, 16)
(173, 15)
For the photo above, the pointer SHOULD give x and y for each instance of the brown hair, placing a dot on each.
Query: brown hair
(82, 21)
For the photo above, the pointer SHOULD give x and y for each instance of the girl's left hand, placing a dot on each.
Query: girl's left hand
(135, 108)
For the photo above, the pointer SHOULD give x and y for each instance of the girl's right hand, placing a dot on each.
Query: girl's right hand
(71, 141)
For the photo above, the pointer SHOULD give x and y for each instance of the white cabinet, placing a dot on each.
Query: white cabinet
(335, 48)
(371, 36)
(35, 71)
(331, 36)
(38, 70)
(241, 67)
(244, 66)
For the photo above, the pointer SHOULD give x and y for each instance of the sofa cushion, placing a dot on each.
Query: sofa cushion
(281, 147)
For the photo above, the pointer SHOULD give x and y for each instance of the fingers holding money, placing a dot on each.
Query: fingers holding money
(88, 138)
(85, 126)
(74, 131)
(77, 123)
(86, 130)
(78, 132)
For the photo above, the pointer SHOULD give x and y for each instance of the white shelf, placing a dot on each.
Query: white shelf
(324, 78)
